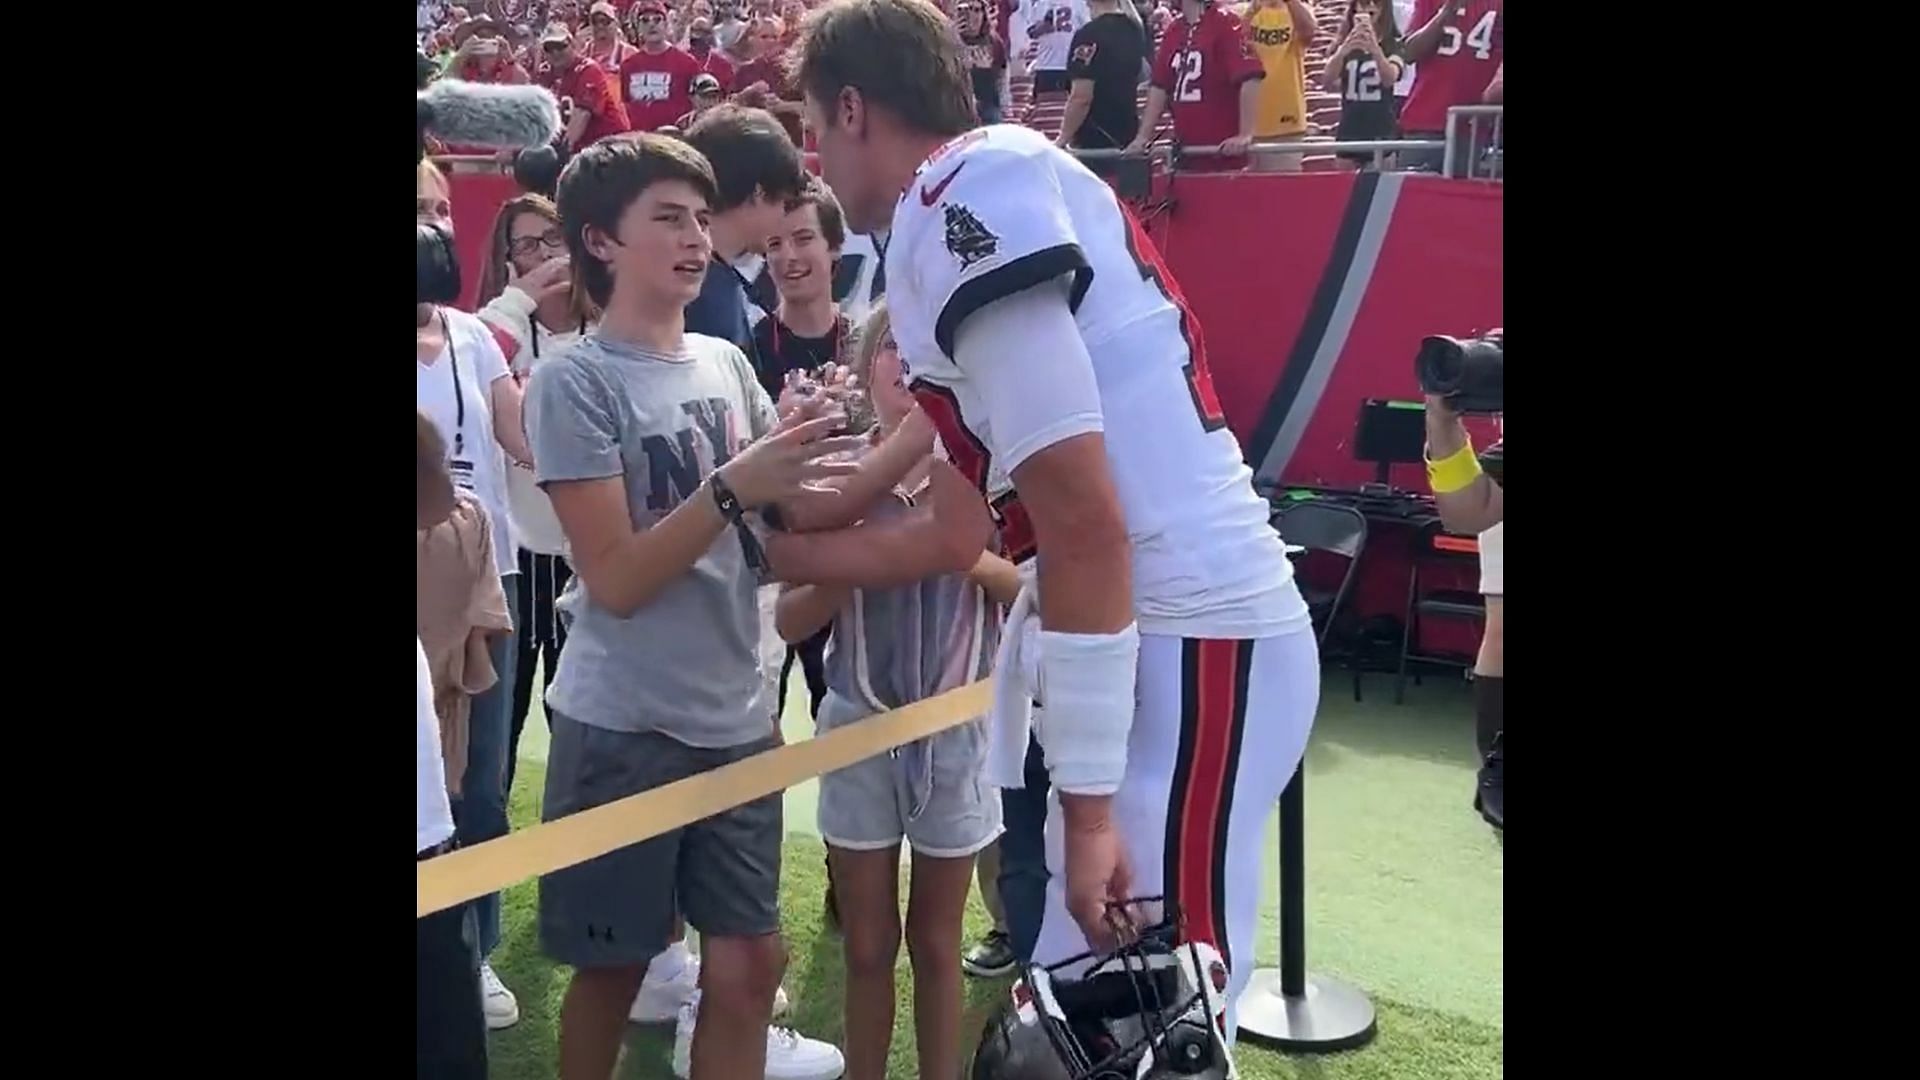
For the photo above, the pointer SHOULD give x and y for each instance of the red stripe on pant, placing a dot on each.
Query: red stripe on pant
(1203, 811)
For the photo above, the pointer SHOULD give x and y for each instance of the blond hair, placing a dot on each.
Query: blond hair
(878, 325)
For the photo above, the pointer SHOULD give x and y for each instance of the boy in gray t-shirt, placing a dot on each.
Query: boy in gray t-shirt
(660, 423)
(651, 444)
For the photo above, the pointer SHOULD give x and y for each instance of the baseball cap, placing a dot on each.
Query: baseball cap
(704, 83)
(650, 7)
(478, 24)
(604, 8)
(557, 33)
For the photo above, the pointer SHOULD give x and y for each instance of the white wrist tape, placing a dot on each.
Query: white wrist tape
(1086, 694)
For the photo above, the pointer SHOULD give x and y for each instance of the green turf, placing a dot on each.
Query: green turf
(1404, 900)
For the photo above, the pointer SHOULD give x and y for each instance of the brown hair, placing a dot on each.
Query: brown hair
(605, 178)
(902, 55)
(833, 224)
(750, 152)
(495, 274)
(877, 326)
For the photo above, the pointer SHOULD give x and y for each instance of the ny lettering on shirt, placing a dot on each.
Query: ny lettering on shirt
(676, 464)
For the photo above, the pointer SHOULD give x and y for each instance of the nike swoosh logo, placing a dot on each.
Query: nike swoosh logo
(931, 195)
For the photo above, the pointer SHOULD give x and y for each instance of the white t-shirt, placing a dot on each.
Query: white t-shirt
(473, 454)
(1050, 24)
(535, 527)
(526, 344)
(1001, 209)
(432, 816)
(1403, 18)
(858, 304)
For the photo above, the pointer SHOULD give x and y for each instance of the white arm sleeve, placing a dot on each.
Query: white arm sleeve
(1026, 358)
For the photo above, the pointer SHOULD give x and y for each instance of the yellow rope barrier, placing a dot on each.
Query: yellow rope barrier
(555, 845)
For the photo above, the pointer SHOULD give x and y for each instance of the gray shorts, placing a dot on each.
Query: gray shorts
(722, 873)
(929, 792)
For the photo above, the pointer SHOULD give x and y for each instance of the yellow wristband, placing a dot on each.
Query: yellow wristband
(1455, 472)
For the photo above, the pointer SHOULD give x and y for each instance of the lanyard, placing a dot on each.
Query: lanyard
(534, 326)
(839, 341)
(459, 398)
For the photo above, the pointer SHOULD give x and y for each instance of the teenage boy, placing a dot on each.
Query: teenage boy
(651, 442)
(757, 170)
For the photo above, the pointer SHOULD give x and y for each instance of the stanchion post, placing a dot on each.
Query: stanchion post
(1286, 1007)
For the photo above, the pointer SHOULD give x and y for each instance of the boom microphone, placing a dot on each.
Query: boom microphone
(486, 114)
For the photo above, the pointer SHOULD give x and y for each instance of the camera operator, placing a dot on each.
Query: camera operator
(1467, 492)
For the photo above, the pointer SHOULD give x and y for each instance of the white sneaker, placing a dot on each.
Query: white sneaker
(659, 1000)
(502, 1009)
(790, 1055)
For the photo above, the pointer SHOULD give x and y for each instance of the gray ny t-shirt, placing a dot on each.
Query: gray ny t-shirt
(687, 664)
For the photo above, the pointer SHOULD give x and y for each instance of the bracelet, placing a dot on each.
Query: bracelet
(1455, 472)
(731, 510)
(724, 498)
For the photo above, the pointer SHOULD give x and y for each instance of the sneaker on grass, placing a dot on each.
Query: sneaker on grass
(991, 958)
(661, 996)
(502, 1009)
(790, 1055)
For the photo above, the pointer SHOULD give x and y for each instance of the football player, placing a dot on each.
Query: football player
(1055, 356)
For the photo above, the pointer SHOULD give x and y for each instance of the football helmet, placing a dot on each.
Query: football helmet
(1153, 1009)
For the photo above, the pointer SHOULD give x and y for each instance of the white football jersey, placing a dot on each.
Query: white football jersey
(999, 210)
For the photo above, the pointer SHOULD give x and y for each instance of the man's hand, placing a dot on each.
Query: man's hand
(1139, 144)
(816, 392)
(787, 461)
(1235, 145)
(961, 512)
(1099, 874)
(1440, 408)
(467, 50)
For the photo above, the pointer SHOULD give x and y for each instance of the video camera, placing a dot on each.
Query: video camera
(1467, 373)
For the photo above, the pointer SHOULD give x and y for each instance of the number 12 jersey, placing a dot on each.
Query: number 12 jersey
(1202, 67)
(1000, 210)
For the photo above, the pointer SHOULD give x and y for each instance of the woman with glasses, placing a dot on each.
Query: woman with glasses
(527, 299)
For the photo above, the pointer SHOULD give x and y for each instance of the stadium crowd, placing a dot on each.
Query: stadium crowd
(1097, 74)
(552, 425)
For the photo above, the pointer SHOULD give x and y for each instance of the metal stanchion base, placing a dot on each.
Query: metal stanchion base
(1330, 1017)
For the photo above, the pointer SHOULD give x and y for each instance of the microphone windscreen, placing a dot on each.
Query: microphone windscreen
(489, 114)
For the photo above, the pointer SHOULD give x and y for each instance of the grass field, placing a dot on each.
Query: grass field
(1403, 899)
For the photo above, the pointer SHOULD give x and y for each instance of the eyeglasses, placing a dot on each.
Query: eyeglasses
(649, 20)
(531, 245)
(553, 47)
(601, 20)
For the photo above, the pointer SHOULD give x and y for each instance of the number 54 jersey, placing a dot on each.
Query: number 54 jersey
(999, 210)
